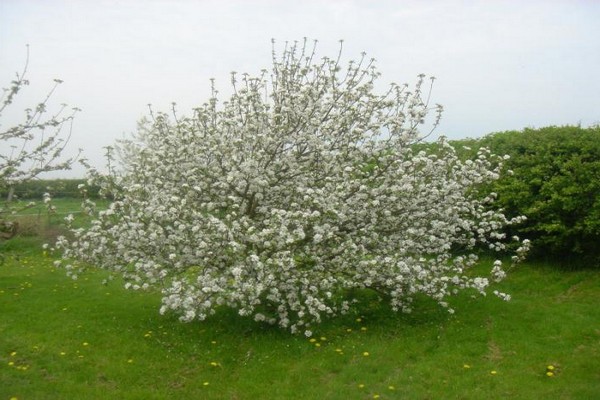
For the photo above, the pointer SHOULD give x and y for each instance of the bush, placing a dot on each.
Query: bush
(294, 193)
(555, 184)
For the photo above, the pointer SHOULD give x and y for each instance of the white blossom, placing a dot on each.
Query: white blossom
(303, 186)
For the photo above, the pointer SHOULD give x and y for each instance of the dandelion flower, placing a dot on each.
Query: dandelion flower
(550, 367)
(14, 353)
(466, 366)
(205, 383)
(493, 372)
(391, 387)
(375, 396)
(550, 373)
(312, 340)
(361, 385)
(366, 354)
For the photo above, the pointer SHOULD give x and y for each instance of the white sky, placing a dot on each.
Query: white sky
(501, 65)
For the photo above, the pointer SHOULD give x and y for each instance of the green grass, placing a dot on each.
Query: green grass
(38, 226)
(63, 207)
(65, 339)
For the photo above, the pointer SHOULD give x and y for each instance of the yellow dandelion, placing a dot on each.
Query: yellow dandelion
(11, 363)
(338, 350)
(366, 354)
(214, 364)
(550, 373)
(14, 353)
(323, 338)
(312, 340)
(466, 366)
(358, 320)
(130, 361)
(317, 344)
(214, 342)
(348, 330)
(86, 344)
(493, 372)
(205, 383)
(62, 353)
(361, 385)
(375, 396)
(550, 367)
(391, 387)
(14, 398)
(364, 328)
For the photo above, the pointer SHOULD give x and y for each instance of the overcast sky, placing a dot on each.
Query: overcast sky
(501, 65)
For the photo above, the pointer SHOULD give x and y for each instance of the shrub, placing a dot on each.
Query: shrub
(556, 185)
(300, 189)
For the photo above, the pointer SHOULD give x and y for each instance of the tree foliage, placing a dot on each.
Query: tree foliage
(299, 189)
(556, 184)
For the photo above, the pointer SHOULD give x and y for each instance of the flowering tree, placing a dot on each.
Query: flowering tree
(31, 147)
(300, 188)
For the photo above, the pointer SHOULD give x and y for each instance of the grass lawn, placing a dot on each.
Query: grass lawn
(65, 339)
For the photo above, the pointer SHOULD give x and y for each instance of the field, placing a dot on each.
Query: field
(65, 339)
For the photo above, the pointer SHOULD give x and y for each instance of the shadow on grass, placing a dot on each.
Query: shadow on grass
(369, 311)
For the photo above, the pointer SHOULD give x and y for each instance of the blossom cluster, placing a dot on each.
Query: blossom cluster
(302, 187)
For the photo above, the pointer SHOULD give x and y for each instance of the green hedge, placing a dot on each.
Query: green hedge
(58, 188)
(555, 183)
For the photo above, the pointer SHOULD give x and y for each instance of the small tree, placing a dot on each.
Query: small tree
(31, 147)
(299, 189)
